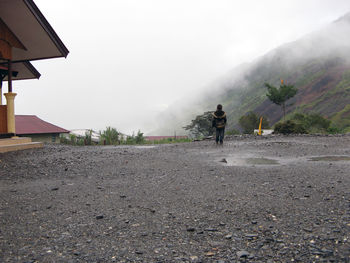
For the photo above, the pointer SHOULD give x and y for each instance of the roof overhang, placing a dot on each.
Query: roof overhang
(32, 29)
(23, 70)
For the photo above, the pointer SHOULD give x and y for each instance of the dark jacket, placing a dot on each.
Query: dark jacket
(219, 119)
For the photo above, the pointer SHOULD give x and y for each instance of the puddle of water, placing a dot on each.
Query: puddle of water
(250, 161)
(330, 158)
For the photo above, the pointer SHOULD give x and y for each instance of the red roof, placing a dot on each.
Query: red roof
(31, 124)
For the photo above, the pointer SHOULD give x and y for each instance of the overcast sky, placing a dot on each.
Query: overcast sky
(131, 59)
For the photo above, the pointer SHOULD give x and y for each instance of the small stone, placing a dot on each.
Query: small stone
(138, 252)
(252, 236)
(99, 217)
(210, 254)
(193, 258)
(223, 160)
(211, 229)
(243, 254)
(307, 229)
(190, 229)
(229, 236)
(55, 189)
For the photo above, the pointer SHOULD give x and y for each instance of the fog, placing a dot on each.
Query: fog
(131, 60)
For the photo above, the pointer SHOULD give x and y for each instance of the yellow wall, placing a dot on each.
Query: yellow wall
(47, 137)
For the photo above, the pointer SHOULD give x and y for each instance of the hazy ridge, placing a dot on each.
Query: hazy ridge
(317, 64)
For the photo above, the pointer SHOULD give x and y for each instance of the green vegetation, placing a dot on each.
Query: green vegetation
(134, 139)
(281, 95)
(341, 120)
(288, 127)
(232, 132)
(110, 136)
(169, 140)
(306, 123)
(201, 126)
(250, 121)
(75, 140)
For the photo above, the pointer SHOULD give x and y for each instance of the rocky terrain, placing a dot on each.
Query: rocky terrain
(268, 199)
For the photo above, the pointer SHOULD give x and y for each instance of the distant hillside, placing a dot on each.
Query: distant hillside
(317, 64)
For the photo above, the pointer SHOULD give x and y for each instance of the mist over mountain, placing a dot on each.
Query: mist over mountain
(318, 64)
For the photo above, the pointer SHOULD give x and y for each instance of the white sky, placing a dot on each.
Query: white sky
(130, 59)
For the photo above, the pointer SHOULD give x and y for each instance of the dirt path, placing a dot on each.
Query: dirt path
(275, 199)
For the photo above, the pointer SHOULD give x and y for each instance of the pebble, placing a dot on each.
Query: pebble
(242, 254)
(229, 236)
(99, 217)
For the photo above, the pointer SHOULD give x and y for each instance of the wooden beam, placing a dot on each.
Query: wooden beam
(8, 40)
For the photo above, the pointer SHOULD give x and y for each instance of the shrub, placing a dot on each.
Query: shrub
(313, 123)
(334, 130)
(87, 138)
(289, 127)
(110, 136)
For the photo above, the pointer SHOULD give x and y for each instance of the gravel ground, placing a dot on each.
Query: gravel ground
(269, 199)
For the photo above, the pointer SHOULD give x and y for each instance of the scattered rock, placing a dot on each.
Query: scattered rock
(242, 254)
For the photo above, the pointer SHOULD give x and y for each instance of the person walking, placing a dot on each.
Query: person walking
(219, 122)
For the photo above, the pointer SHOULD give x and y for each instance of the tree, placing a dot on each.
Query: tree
(110, 136)
(201, 125)
(250, 121)
(280, 95)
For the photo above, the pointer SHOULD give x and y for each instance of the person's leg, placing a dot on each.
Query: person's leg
(217, 138)
(222, 134)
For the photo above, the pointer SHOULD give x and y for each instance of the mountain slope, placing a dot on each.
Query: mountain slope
(317, 64)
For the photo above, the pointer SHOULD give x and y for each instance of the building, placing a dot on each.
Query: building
(25, 35)
(37, 129)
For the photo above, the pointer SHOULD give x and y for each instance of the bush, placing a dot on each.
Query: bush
(306, 123)
(334, 130)
(110, 136)
(289, 127)
(313, 123)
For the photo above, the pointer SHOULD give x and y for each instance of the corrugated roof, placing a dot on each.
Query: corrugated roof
(31, 124)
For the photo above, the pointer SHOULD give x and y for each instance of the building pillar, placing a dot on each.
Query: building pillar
(11, 123)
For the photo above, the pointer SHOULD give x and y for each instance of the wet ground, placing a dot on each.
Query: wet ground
(266, 199)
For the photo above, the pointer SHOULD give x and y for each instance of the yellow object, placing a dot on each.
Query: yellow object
(11, 124)
(261, 118)
(282, 81)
